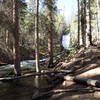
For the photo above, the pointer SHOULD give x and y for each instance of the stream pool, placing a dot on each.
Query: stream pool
(24, 89)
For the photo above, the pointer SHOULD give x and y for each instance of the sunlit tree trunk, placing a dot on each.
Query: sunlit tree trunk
(98, 20)
(37, 36)
(78, 2)
(16, 37)
(90, 28)
(97, 23)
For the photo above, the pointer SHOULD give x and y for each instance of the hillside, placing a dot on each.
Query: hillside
(84, 64)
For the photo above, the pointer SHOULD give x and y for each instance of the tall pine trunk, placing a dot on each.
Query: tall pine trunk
(16, 37)
(90, 28)
(78, 2)
(83, 22)
(50, 32)
(98, 20)
(36, 36)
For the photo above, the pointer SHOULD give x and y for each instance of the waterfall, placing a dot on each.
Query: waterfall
(66, 41)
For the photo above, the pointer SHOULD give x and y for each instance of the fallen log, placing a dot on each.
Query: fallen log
(34, 74)
(90, 73)
(83, 81)
(89, 82)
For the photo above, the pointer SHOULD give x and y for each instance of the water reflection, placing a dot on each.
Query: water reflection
(37, 85)
(23, 89)
(17, 90)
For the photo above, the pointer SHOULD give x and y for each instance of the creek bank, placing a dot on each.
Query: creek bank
(7, 56)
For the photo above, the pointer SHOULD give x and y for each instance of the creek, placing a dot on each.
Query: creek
(24, 89)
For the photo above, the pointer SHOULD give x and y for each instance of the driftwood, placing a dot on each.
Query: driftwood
(83, 81)
(90, 82)
(35, 74)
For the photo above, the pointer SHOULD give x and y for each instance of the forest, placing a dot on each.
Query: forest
(43, 56)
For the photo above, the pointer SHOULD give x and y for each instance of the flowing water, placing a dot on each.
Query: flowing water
(25, 64)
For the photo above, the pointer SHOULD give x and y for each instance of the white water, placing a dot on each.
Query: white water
(66, 41)
(26, 63)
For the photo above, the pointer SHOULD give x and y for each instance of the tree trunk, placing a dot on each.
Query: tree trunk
(98, 16)
(61, 46)
(50, 49)
(16, 37)
(78, 1)
(37, 74)
(90, 28)
(89, 82)
(83, 22)
(50, 33)
(36, 36)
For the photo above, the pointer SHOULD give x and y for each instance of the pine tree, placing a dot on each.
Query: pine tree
(78, 3)
(90, 27)
(16, 37)
(50, 13)
(83, 21)
(37, 36)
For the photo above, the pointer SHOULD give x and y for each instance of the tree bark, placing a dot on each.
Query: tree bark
(90, 28)
(16, 37)
(78, 2)
(83, 22)
(5, 79)
(50, 33)
(37, 37)
(89, 82)
(98, 16)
